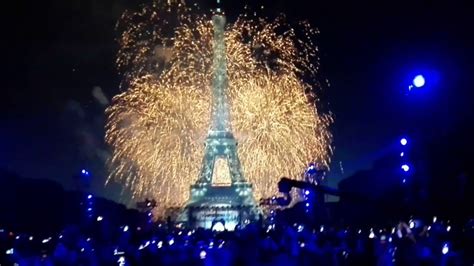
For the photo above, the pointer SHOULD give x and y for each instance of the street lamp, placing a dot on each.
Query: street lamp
(405, 168)
(419, 81)
(403, 141)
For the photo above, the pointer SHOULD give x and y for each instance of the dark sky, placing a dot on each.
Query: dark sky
(58, 52)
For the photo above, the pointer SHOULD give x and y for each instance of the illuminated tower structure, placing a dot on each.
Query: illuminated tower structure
(221, 194)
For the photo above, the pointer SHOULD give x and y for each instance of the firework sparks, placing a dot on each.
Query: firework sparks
(157, 127)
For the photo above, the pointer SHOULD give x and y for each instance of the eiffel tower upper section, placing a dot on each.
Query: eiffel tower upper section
(220, 142)
(220, 117)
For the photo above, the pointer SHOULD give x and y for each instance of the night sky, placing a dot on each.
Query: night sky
(59, 73)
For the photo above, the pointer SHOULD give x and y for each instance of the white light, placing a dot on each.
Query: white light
(202, 254)
(100, 218)
(371, 235)
(306, 192)
(403, 141)
(116, 252)
(17, 237)
(402, 154)
(412, 224)
(31, 238)
(448, 228)
(405, 167)
(445, 249)
(160, 244)
(390, 239)
(44, 241)
(171, 242)
(435, 219)
(121, 261)
(218, 227)
(10, 251)
(125, 228)
(419, 81)
(300, 228)
(190, 233)
(307, 204)
(88, 239)
(144, 246)
(221, 244)
(321, 229)
(302, 244)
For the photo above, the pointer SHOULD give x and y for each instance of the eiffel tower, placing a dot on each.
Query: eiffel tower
(221, 194)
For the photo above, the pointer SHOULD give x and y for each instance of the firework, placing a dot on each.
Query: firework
(158, 125)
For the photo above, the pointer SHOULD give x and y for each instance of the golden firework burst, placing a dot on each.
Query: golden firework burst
(158, 125)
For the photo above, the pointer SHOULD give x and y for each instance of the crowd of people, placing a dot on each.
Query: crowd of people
(99, 243)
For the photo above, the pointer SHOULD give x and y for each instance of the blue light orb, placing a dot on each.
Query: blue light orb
(419, 81)
(405, 168)
(89, 196)
(404, 141)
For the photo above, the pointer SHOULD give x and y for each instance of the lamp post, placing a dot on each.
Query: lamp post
(418, 82)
